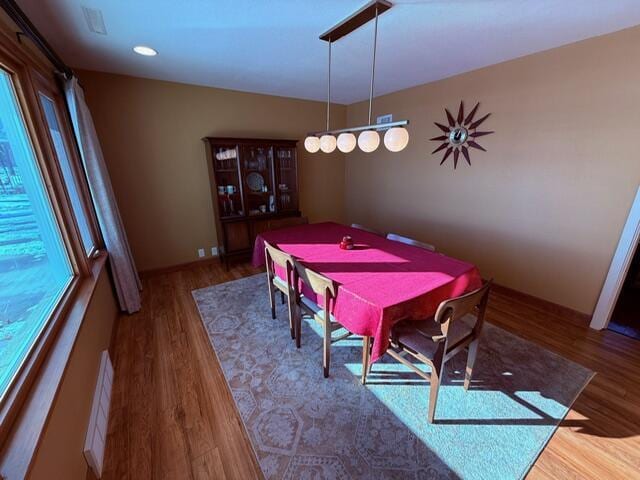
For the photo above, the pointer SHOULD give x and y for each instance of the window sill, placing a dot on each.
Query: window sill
(31, 415)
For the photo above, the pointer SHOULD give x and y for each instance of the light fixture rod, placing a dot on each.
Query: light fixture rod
(373, 63)
(329, 87)
(377, 126)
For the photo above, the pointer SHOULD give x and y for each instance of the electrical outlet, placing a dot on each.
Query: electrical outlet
(201, 252)
(214, 251)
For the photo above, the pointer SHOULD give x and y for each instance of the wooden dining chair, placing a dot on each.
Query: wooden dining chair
(410, 241)
(276, 257)
(327, 289)
(366, 229)
(438, 339)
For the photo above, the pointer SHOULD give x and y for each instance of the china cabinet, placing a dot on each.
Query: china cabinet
(254, 186)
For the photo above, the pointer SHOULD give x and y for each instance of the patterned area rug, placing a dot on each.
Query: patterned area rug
(303, 426)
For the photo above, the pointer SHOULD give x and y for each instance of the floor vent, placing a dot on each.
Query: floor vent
(95, 442)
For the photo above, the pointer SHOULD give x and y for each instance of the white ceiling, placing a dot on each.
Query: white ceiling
(272, 46)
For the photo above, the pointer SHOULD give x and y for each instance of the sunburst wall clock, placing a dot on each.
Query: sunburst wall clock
(460, 135)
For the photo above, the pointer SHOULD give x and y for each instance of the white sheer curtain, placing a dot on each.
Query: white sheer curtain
(123, 268)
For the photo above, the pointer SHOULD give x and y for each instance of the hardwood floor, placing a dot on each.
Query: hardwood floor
(173, 417)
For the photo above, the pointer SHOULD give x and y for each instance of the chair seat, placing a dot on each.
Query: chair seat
(317, 310)
(280, 284)
(418, 334)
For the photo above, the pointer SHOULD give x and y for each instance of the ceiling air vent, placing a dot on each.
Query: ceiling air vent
(94, 20)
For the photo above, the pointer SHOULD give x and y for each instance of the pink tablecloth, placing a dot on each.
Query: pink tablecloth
(380, 282)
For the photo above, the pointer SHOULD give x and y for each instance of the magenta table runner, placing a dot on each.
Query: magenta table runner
(379, 282)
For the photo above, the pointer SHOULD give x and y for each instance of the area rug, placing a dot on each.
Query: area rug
(303, 426)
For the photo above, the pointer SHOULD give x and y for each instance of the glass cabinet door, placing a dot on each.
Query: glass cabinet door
(258, 181)
(287, 179)
(229, 187)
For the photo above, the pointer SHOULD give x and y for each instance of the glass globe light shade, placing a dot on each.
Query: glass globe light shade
(312, 144)
(368, 141)
(396, 139)
(346, 142)
(327, 143)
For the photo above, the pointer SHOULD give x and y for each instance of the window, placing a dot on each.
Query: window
(69, 174)
(35, 269)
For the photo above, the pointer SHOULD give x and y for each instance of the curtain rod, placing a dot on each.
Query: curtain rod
(29, 29)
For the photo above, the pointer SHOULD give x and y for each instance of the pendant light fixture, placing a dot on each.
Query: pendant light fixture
(312, 144)
(396, 137)
(347, 142)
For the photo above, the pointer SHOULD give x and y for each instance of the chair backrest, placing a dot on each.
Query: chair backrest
(454, 309)
(277, 223)
(366, 229)
(320, 284)
(276, 256)
(410, 241)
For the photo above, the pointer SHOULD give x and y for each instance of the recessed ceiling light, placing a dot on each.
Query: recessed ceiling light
(144, 50)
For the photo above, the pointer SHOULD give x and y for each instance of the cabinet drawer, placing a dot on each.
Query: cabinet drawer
(237, 236)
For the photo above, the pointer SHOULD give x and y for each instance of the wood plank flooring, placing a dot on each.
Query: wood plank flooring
(173, 417)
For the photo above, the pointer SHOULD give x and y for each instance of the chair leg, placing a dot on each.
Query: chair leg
(326, 358)
(366, 356)
(272, 298)
(436, 377)
(298, 324)
(282, 297)
(292, 320)
(471, 360)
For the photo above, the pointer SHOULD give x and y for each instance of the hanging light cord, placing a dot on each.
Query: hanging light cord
(373, 64)
(329, 86)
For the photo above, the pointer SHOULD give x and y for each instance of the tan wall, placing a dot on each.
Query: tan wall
(543, 209)
(151, 134)
(60, 454)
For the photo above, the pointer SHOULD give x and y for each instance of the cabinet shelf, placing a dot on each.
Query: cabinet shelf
(278, 166)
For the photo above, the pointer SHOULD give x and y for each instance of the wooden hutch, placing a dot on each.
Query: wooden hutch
(254, 187)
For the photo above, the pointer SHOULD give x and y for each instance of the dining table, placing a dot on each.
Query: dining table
(380, 281)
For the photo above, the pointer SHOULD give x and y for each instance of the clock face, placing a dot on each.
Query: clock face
(460, 135)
